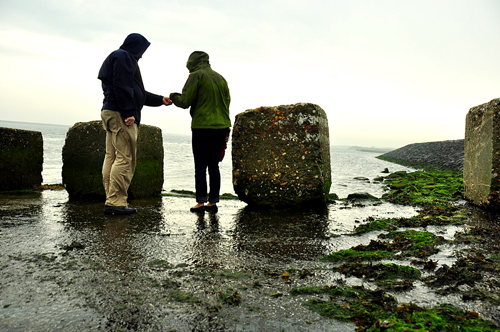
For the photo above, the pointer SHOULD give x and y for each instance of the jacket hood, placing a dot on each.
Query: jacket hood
(197, 60)
(136, 44)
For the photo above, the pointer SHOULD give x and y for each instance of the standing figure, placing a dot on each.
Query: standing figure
(124, 97)
(207, 93)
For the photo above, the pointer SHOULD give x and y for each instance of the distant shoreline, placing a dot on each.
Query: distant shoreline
(36, 123)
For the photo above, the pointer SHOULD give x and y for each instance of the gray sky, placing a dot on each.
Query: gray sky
(387, 72)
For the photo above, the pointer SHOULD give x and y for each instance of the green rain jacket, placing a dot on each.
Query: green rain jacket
(206, 92)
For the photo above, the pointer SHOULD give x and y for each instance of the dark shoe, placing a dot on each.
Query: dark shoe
(118, 210)
(198, 209)
(211, 208)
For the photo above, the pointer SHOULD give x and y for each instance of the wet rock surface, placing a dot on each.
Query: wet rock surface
(281, 156)
(447, 155)
(482, 155)
(66, 266)
(21, 159)
(83, 155)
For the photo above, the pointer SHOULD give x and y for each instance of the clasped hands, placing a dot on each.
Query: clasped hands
(167, 101)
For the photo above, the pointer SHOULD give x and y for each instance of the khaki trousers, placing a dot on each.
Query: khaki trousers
(120, 159)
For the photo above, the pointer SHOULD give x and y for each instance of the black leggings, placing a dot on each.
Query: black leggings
(207, 145)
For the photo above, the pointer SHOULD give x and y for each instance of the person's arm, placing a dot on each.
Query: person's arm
(153, 99)
(189, 92)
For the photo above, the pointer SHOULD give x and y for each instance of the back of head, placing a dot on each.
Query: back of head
(197, 60)
(136, 44)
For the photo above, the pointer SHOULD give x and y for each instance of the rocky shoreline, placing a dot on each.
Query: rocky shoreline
(446, 155)
(68, 267)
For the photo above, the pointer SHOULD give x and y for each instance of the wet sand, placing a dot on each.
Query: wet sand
(68, 267)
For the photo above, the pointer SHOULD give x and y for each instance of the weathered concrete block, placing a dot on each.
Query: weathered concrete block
(482, 155)
(83, 155)
(281, 156)
(148, 178)
(21, 159)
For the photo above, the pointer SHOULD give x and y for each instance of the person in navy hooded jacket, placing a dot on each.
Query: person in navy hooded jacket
(124, 97)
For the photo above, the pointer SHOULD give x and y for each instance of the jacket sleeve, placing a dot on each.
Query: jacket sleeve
(189, 93)
(153, 99)
(124, 68)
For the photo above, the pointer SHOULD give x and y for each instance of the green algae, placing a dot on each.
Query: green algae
(352, 254)
(376, 225)
(404, 243)
(350, 303)
(433, 192)
(148, 179)
(230, 296)
(380, 271)
(335, 291)
(445, 317)
(376, 311)
(429, 215)
(332, 197)
(160, 265)
(474, 270)
(424, 188)
(181, 296)
(414, 243)
(326, 185)
(361, 197)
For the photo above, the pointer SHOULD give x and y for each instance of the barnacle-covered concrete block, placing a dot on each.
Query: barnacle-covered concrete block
(281, 156)
(21, 159)
(482, 155)
(83, 156)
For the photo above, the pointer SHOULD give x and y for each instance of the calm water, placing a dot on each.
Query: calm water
(347, 163)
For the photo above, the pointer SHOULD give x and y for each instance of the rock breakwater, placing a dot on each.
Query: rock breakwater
(446, 155)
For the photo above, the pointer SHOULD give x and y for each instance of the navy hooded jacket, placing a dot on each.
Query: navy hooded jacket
(122, 81)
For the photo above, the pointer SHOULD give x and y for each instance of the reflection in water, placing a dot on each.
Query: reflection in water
(16, 209)
(18, 213)
(207, 246)
(282, 234)
(487, 225)
(203, 229)
(113, 241)
(116, 244)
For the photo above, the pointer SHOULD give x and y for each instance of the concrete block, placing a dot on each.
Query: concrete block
(21, 159)
(482, 155)
(83, 155)
(281, 156)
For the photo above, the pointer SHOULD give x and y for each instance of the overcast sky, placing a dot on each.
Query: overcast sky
(387, 72)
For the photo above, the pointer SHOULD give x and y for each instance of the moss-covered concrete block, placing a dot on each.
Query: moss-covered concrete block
(281, 156)
(148, 177)
(21, 159)
(482, 155)
(83, 156)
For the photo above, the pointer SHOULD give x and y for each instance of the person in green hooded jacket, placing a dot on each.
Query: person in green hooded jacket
(206, 92)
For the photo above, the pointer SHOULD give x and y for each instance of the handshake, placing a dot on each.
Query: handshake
(168, 100)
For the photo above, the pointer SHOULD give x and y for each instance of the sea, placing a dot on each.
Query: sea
(353, 168)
